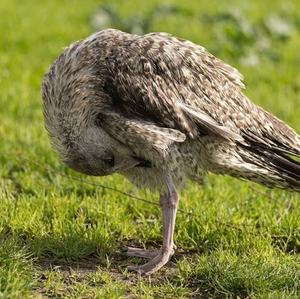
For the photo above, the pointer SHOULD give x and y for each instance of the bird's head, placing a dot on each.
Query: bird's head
(96, 153)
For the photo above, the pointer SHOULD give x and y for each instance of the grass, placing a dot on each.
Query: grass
(61, 238)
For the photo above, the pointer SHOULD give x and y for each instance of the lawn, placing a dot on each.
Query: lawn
(63, 238)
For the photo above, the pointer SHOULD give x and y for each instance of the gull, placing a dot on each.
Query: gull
(161, 110)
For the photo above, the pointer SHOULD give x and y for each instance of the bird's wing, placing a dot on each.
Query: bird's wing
(138, 133)
(172, 83)
(177, 84)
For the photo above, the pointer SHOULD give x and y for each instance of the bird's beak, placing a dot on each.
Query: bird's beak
(132, 162)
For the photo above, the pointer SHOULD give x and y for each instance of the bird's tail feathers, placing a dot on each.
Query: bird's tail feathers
(281, 165)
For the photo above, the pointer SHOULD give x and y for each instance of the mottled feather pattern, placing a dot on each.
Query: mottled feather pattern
(168, 101)
(139, 133)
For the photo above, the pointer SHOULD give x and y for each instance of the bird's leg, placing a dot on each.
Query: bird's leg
(169, 204)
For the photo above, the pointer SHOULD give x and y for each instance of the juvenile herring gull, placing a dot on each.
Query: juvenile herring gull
(160, 110)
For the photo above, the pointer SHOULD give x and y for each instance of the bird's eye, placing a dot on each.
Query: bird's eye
(109, 161)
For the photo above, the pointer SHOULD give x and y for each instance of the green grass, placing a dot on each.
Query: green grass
(61, 238)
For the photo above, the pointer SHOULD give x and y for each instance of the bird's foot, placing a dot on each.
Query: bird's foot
(160, 259)
(138, 252)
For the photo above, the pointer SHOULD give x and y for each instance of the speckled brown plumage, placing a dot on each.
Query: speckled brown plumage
(156, 106)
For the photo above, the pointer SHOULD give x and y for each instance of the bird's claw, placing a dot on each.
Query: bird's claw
(144, 253)
(163, 256)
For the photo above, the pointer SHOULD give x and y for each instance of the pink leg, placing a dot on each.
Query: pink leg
(169, 204)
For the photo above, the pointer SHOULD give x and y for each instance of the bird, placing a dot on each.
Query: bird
(161, 110)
